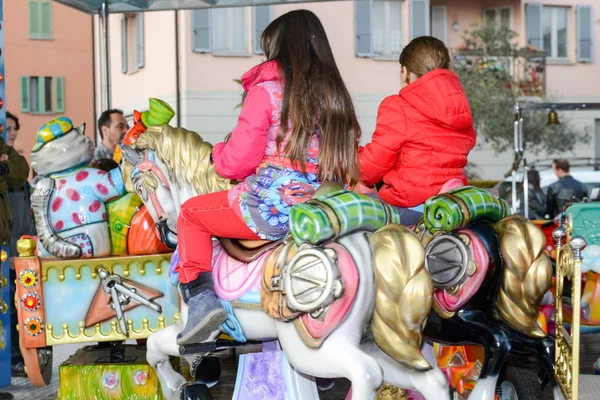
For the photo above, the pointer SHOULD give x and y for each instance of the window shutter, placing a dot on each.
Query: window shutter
(262, 18)
(439, 22)
(533, 24)
(25, 94)
(59, 94)
(41, 84)
(45, 13)
(201, 30)
(124, 64)
(34, 19)
(139, 40)
(419, 18)
(585, 34)
(363, 10)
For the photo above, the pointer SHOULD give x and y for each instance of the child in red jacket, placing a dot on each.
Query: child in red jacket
(424, 133)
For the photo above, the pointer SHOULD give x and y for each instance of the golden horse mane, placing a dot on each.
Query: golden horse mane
(186, 155)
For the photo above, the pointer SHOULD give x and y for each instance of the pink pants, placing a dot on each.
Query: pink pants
(200, 219)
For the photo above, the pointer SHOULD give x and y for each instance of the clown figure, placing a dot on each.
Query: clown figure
(69, 203)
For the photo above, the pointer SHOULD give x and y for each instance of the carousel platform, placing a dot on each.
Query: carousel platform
(21, 389)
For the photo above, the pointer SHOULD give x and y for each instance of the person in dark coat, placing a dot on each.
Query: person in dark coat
(14, 217)
(567, 190)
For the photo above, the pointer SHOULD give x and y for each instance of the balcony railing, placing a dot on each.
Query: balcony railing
(525, 69)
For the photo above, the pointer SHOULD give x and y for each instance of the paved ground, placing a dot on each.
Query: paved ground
(22, 390)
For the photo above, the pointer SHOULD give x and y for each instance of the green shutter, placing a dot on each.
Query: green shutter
(41, 83)
(45, 20)
(59, 94)
(25, 94)
(34, 19)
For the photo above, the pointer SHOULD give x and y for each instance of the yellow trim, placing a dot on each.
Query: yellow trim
(126, 263)
(114, 334)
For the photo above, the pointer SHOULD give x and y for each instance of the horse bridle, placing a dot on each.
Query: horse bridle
(147, 164)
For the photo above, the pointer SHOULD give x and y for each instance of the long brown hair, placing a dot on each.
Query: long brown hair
(315, 98)
(424, 54)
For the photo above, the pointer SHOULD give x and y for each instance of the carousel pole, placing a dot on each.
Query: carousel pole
(517, 155)
(104, 58)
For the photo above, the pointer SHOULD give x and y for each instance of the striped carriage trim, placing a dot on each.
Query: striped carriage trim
(458, 208)
(337, 214)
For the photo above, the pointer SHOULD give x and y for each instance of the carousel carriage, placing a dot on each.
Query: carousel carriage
(462, 275)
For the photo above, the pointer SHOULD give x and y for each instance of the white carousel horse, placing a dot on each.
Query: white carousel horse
(166, 167)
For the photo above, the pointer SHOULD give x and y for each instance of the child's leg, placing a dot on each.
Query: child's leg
(200, 219)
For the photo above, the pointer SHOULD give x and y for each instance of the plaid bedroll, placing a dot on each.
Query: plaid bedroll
(310, 222)
(455, 209)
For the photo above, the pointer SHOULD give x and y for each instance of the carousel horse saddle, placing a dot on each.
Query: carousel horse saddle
(247, 250)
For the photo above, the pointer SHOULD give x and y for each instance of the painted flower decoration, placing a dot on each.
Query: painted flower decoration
(271, 214)
(28, 278)
(140, 377)
(110, 380)
(34, 326)
(31, 301)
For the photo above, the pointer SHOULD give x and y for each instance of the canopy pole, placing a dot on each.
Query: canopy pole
(104, 58)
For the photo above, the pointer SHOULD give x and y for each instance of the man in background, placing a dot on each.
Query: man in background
(567, 190)
(112, 127)
(15, 212)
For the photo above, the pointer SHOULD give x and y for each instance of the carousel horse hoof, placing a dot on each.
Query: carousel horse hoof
(195, 391)
(208, 371)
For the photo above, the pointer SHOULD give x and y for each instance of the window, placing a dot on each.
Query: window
(132, 43)
(547, 29)
(379, 30)
(42, 94)
(499, 16)
(229, 31)
(387, 28)
(40, 19)
(224, 31)
(554, 28)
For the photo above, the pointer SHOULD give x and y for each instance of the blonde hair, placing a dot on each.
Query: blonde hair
(186, 155)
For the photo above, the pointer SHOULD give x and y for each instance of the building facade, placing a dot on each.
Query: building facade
(49, 66)
(191, 59)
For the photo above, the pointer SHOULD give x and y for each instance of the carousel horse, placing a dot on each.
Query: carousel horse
(351, 292)
(82, 211)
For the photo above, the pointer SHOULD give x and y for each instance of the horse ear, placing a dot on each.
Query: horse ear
(131, 155)
(81, 129)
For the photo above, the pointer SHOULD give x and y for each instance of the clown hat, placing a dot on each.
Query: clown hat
(160, 113)
(51, 130)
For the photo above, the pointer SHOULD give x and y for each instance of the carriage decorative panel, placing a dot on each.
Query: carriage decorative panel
(77, 311)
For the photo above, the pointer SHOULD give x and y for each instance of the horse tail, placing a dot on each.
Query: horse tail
(527, 274)
(404, 295)
(40, 200)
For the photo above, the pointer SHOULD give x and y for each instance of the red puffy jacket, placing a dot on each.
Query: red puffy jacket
(422, 140)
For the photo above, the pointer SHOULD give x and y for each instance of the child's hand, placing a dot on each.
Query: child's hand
(4, 157)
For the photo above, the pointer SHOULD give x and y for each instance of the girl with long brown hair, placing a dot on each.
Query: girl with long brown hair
(297, 129)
